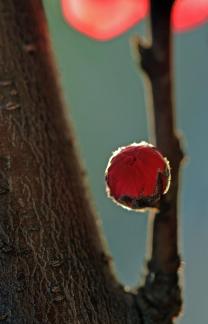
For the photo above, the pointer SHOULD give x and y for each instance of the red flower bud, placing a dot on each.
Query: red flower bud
(103, 19)
(189, 14)
(106, 19)
(137, 176)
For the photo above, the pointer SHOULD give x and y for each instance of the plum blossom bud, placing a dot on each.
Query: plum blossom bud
(137, 176)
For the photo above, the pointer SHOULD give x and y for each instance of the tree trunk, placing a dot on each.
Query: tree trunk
(53, 268)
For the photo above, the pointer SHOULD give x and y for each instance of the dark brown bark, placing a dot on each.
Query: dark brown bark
(161, 288)
(52, 265)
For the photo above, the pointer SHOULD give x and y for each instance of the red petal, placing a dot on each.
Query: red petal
(189, 13)
(103, 19)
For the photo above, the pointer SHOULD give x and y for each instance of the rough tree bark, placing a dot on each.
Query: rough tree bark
(52, 265)
(53, 268)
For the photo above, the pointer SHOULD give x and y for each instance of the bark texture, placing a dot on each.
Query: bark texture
(52, 265)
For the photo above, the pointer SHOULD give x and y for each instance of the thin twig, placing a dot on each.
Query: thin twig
(161, 288)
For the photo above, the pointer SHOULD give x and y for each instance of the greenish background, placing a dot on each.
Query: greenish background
(106, 97)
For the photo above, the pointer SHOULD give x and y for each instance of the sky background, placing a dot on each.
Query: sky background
(105, 97)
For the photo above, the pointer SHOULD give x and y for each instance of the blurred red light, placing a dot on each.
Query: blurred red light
(103, 19)
(106, 19)
(189, 14)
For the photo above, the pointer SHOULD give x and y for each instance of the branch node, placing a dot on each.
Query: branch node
(153, 62)
(160, 298)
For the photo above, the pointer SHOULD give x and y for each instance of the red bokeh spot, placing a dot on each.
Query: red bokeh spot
(106, 19)
(189, 13)
(137, 175)
(103, 19)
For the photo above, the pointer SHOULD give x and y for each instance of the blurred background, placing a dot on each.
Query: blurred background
(105, 97)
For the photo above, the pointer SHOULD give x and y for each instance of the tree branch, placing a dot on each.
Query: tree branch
(161, 288)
